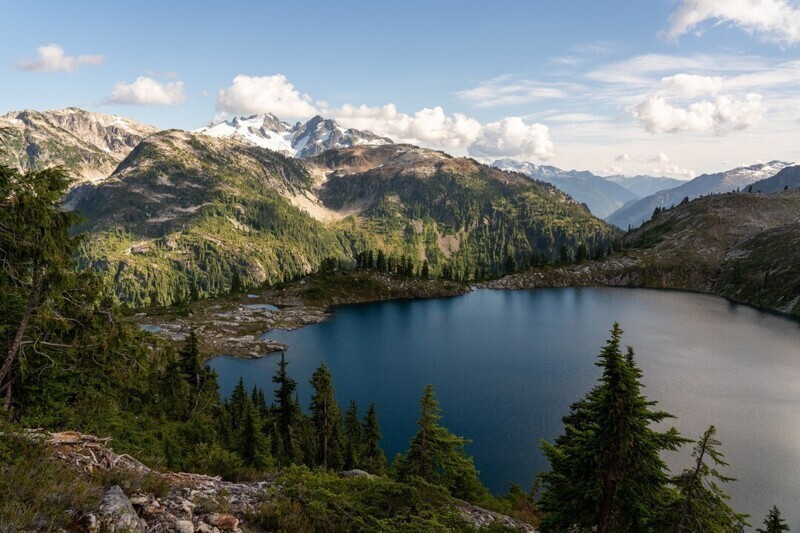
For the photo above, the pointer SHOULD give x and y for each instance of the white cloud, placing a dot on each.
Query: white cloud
(721, 116)
(691, 85)
(507, 90)
(569, 61)
(660, 157)
(51, 58)
(429, 127)
(576, 118)
(652, 164)
(511, 137)
(638, 70)
(776, 20)
(147, 91)
(264, 94)
(675, 171)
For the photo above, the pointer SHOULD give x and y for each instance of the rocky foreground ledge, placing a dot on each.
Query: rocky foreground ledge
(192, 502)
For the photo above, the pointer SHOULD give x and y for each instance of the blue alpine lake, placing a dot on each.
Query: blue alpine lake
(506, 366)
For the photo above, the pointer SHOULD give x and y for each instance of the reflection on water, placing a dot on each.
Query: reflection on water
(507, 364)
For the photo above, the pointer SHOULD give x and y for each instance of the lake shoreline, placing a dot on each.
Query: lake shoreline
(534, 352)
(233, 325)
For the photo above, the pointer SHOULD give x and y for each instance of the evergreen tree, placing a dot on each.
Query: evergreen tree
(564, 254)
(36, 251)
(424, 272)
(236, 283)
(326, 417)
(511, 264)
(373, 460)
(194, 294)
(236, 405)
(381, 263)
(252, 445)
(773, 523)
(606, 470)
(438, 456)
(191, 361)
(702, 503)
(583, 252)
(287, 412)
(353, 437)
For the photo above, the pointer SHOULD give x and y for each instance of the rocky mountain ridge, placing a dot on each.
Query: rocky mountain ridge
(602, 194)
(635, 213)
(301, 140)
(89, 145)
(187, 208)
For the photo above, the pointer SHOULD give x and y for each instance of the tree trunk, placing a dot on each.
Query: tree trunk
(13, 350)
(325, 436)
(688, 502)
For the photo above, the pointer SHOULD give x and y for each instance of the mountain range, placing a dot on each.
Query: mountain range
(88, 145)
(301, 140)
(170, 210)
(602, 195)
(187, 210)
(636, 212)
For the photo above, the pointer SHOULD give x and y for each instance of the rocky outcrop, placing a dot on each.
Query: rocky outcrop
(193, 502)
(88, 145)
(116, 514)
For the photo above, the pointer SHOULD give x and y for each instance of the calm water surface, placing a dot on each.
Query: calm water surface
(507, 364)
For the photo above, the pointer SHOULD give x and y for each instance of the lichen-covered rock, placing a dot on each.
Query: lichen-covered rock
(184, 526)
(116, 513)
(356, 473)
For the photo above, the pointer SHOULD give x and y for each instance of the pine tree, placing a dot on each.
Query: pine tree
(252, 445)
(326, 417)
(287, 412)
(353, 437)
(583, 252)
(374, 460)
(425, 271)
(191, 361)
(606, 470)
(702, 503)
(773, 523)
(236, 283)
(438, 456)
(36, 250)
(381, 264)
(236, 405)
(511, 264)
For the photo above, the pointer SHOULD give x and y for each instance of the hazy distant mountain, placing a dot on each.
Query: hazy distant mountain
(603, 197)
(645, 185)
(301, 140)
(788, 178)
(89, 145)
(635, 213)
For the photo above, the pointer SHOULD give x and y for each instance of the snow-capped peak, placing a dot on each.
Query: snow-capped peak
(301, 140)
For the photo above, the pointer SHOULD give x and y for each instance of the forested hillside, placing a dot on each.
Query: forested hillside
(185, 212)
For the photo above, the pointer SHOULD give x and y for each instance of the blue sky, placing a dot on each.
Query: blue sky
(676, 87)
